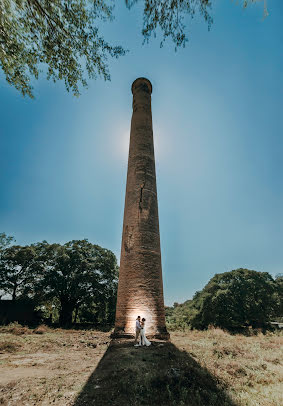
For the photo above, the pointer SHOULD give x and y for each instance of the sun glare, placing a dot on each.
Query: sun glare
(121, 145)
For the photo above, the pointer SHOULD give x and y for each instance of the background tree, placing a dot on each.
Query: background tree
(178, 315)
(230, 300)
(18, 271)
(5, 241)
(62, 34)
(78, 274)
(279, 285)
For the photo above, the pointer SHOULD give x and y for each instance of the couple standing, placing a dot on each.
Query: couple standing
(140, 333)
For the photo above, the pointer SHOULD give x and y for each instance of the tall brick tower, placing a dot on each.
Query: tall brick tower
(140, 289)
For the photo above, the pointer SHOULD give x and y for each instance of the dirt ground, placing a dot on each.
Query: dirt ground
(83, 367)
(47, 368)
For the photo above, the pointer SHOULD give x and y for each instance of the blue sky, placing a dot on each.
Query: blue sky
(217, 117)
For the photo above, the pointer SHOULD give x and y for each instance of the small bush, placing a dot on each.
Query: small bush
(41, 329)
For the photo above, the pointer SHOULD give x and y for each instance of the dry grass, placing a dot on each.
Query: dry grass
(250, 367)
(15, 329)
(70, 367)
(8, 346)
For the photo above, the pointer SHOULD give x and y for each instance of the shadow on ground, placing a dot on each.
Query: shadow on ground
(159, 375)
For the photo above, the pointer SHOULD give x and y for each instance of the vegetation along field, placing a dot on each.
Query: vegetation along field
(45, 366)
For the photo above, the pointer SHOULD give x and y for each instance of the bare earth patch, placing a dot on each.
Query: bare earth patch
(70, 367)
(48, 368)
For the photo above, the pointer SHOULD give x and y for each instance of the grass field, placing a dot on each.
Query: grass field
(84, 367)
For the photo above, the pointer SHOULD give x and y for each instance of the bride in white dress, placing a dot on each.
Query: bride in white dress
(143, 339)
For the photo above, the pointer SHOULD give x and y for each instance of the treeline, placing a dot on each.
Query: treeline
(73, 282)
(232, 300)
(77, 282)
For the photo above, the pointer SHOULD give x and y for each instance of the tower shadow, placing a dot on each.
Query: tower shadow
(159, 375)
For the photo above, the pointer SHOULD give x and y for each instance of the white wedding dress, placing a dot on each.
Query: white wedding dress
(143, 339)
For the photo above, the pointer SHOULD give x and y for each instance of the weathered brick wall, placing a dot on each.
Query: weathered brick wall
(140, 290)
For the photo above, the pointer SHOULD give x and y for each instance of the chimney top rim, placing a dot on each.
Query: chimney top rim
(142, 79)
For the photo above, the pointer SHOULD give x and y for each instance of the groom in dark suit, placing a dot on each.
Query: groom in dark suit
(138, 330)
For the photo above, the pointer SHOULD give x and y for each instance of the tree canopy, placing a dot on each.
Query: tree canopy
(231, 300)
(18, 270)
(279, 283)
(169, 16)
(5, 241)
(77, 279)
(63, 37)
(77, 273)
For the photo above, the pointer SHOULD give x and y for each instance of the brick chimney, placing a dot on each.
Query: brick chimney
(140, 289)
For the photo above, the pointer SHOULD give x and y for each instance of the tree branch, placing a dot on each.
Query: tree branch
(43, 12)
